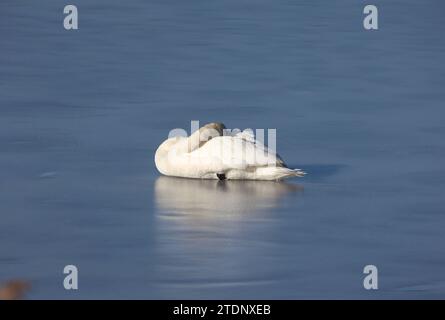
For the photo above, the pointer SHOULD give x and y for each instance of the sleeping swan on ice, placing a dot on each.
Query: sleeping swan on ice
(209, 153)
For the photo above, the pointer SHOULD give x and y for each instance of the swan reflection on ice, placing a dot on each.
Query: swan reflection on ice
(225, 229)
(212, 198)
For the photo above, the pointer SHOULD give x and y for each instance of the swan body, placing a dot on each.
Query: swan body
(209, 154)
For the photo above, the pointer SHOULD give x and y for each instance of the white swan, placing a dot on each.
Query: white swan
(210, 154)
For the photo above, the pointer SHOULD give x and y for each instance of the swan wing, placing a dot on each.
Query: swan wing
(232, 152)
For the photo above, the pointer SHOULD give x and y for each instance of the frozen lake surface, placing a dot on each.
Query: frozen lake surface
(82, 112)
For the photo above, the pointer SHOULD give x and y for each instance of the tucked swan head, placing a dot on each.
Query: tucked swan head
(168, 151)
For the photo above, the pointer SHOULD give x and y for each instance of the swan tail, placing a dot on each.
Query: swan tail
(287, 173)
(278, 173)
(298, 173)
